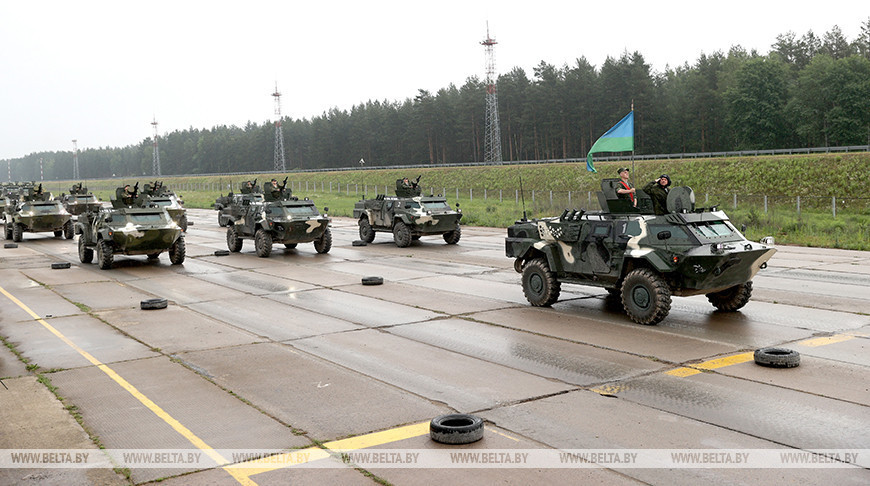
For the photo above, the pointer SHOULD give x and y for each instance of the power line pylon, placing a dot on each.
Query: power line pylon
(492, 140)
(280, 164)
(155, 158)
(75, 160)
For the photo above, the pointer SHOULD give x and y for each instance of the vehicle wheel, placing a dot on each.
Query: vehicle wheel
(153, 304)
(17, 232)
(153, 256)
(234, 243)
(452, 237)
(401, 234)
(8, 228)
(263, 243)
(456, 428)
(731, 299)
(86, 255)
(58, 233)
(68, 230)
(324, 243)
(645, 297)
(177, 251)
(290, 245)
(372, 280)
(777, 357)
(221, 222)
(182, 221)
(540, 284)
(366, 233)
(105, 254)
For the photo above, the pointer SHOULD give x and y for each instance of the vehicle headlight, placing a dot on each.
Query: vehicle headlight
(720, 247)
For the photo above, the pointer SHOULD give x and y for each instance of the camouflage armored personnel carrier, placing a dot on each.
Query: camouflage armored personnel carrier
(640, 258)
(232, 206)
(408, 215)
(131, 227)
(157, 193)
(35, 211)
(280, 218)
(79, 200)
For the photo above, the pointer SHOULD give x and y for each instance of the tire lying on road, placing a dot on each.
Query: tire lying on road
(153, 304)
(59, 265)
(10, 245)
(221, 252)
(456, 428)
(777, 357)
(372, 280)
(359, 243)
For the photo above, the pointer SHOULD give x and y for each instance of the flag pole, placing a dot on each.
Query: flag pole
(632, 144)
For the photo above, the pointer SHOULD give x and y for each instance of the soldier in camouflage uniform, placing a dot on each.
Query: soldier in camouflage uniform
(658, 191)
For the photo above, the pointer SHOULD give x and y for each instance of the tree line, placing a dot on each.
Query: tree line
(807, 91)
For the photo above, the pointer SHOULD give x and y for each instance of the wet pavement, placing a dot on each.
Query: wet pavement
(293, 353)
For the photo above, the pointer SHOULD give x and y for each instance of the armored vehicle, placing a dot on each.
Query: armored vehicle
(157, 193)
(35, 211)
(639, 257)
(128, 229)
(232, 206)
(408, 215)
(79, 200)
(280, 218)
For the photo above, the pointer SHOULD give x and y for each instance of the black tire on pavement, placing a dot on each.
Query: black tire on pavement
(221, 252)
(731, 299)
(149, 304)
(777, 357)
(366, 233)
(10, 245)
(59, 265)
(456, 428)
(540, 284)
(401, 234)
(646, 297)
(372, 280)
(359, 243)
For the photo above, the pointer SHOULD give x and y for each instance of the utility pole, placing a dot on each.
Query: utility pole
(75, 160)
(155, 158)
(280, 164)
(492, 140)
(41, 177)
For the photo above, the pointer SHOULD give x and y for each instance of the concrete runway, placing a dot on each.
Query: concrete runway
(292, 353)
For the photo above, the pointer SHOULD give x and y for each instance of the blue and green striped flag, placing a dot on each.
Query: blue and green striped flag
(620, 138)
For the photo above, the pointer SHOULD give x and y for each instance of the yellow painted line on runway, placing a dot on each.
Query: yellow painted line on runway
(280, 461)
(162, 414)
(824, 341)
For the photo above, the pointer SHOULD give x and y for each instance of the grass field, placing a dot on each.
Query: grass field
(489, 196)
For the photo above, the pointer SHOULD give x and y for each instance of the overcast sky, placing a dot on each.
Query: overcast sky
(99, 71)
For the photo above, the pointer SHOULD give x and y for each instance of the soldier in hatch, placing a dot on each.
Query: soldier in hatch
(658, 191)
(625, 190)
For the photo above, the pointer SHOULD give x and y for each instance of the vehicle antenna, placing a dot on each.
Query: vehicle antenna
(523, 197)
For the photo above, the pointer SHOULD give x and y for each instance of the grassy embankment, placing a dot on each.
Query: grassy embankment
(815, 178)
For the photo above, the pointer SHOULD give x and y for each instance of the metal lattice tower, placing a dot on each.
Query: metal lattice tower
(75, 159)
(280, 164)
(155, 158)
(492, 142)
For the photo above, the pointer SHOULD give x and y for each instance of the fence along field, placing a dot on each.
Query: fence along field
(813, 200)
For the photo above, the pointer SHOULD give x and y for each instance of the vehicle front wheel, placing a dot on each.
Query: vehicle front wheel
(645, 297)
(68, 232)
(452, 237)
(263, 243)
(401, 234)
(105, 254)
(366, 232)
(731, 299)
(8, 229)
(540, 284)
(17, 232)
(86, 255)
(324, 243)
(234, 243)
(177, 251)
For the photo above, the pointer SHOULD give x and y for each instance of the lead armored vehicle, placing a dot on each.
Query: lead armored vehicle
(408, 215)
(131, 227)
(639, 257)
(232, 206)
(280, 218)
(35, 211)
(80, 200)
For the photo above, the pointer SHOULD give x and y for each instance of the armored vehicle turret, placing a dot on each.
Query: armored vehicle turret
(80, 200)
(35, 211)
(279, 218)
(408, 215)
(128, 229)
(638, 257)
